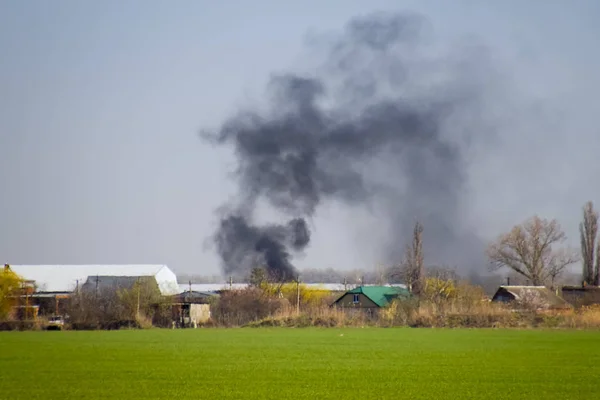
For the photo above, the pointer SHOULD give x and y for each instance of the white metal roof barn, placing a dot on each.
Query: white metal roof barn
(64, 278)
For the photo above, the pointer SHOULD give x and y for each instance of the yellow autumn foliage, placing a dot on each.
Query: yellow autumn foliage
(309, 296)
(10, 284)
(439, 289)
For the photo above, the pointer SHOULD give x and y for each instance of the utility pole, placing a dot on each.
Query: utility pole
(345, 284)
(78, 292)
(24, 289)
(298, 295)
(230, 282)
(137, 312)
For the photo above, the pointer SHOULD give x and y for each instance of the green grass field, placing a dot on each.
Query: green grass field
(300, 364)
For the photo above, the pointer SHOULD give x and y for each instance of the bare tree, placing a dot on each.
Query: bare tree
(528, 250)
(411, 269)
(588, 230)
(381, 274)
(444, 272)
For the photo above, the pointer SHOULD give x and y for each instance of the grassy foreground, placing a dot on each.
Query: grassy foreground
(300, 364)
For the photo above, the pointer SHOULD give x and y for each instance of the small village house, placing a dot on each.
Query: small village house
(190, 308)
(581, 296)
(371, 297)
(534, 297)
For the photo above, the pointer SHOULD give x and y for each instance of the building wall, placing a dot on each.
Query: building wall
(581, 297)
(347, 301)
(52, 305)
(199, 312)
(184, 315)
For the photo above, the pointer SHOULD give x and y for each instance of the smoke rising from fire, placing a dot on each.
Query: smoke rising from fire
(383, 122)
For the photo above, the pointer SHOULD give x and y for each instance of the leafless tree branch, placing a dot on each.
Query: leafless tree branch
(411, 269)
(528, 250)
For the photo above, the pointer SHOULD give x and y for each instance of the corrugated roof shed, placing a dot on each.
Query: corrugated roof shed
(380, 295)
(193, 297)
(64, 278)
(109, 283)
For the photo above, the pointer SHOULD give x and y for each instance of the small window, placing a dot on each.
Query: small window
(356, 299)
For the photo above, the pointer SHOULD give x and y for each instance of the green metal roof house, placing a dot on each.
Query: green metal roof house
(371, 296)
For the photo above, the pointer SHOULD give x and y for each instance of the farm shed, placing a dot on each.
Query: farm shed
(371, 297)
(538, 297)
(580, 296)
(189, 314)
(190, 308)
(111, 284)
(193, 297)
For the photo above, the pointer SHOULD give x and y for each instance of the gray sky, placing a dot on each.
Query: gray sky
(101, 102)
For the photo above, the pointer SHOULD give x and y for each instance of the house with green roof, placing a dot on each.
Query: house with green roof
(371, 297)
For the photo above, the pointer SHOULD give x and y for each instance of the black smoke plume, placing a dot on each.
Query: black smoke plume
(379, 123)
(242, 245)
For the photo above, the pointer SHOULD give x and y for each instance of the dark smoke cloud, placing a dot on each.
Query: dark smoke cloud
(243, 245)
(380, 123)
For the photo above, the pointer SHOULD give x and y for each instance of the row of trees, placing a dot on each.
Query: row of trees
(534, 250)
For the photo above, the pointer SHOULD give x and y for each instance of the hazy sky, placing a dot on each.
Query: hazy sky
(101, 103)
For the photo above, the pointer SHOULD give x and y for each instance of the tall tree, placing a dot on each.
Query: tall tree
(411, 269)
(588, 231)
(258, 277)
(530, 250)
(10, 286)
(597, 274)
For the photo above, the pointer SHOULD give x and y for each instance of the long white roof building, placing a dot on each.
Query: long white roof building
(65, 278)
(215, 287)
